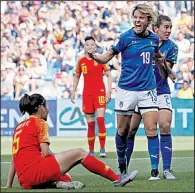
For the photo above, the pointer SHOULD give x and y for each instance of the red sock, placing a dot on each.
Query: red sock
(91, 135)
(66, 178)
(102, 131)
(98, 167)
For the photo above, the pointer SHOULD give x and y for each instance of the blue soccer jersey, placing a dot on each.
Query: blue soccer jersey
(137, 53)
(170, 51)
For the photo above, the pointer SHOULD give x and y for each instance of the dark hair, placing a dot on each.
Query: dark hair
(160, 19)
(31, 103)
(89, 38)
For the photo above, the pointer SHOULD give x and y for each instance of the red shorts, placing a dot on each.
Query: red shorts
(46, 169)
(93, 102)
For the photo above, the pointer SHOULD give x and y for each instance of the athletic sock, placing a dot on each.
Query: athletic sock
(153, 149)
(98, 167)
(91, 135)
(166, 150)
(120, 150)
(129, 149)
(101, 132)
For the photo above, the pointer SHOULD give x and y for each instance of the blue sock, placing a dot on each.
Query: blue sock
(129, 149)
(120, 148)
(166, 150)
(153, 149)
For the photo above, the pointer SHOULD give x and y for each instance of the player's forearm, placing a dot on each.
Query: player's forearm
(102, 58)
(109, 83)
(75, 82)
(11, 175)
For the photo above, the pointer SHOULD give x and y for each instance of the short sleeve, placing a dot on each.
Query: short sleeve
(43, 135)
(118, 45)
(172, 55)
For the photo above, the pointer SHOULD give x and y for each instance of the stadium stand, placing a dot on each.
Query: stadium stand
(41, 42)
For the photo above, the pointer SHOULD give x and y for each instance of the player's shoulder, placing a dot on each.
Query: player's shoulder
(153, 35)
(172, 44)
(37, 121)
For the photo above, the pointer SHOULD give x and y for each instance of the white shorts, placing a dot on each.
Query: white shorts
(126, 101)
(164, 102)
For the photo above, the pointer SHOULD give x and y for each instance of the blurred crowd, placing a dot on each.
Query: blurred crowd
(41, 42)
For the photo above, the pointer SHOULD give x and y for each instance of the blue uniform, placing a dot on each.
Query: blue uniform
(137, 53)
(170, 51)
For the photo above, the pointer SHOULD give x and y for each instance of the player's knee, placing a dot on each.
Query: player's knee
(151, 131)
(132, 132)
(82, 153)
(165, 128)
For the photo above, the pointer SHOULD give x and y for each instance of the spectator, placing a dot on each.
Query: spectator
(185, 92)
(21, 82)
(54, 31)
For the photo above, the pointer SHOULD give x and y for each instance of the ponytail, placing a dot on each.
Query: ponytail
(31, 103)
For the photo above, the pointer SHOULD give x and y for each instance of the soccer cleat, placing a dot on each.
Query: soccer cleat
(102, 153)
(91, 152)
(124, 179)
(168, 175)
(69, 185)
(154, 175)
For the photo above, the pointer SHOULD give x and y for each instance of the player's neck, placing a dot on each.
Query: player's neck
(87, 56)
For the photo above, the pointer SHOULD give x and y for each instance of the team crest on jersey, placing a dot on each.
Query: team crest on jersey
(95, 63)
(121, 104)
(82, 64)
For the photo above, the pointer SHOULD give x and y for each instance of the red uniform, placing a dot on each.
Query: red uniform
(94, 91)
(31, 167)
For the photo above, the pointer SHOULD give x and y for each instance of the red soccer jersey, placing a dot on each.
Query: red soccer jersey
(93, 75)
(26, 139)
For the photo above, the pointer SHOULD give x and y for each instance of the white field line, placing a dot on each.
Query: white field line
(133, 159)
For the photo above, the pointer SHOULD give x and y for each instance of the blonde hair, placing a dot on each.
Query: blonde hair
(146, 10)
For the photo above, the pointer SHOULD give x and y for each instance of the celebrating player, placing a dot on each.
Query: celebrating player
(136, 85)
(170, 50)
(94, 95)
(36, 165)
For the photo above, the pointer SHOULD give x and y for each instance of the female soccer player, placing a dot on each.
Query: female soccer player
(94, 95)
(36, 165)
(170, 50)
(136, 85)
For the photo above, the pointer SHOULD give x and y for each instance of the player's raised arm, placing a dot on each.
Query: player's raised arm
(102, 58)
(11, 175)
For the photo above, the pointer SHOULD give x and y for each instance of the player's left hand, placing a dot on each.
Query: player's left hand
(108, 97)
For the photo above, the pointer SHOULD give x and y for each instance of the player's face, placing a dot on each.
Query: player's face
(90, 45)
(164, 31)
(45, 111)
(140, 22)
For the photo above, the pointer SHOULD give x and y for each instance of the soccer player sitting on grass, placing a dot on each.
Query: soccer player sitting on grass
(37, 166)
(94, 95)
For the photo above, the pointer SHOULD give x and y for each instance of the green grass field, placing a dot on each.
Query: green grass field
(182, 165)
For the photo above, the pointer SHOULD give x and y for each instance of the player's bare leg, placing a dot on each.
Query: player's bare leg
(150, 124)
(90, 132)
(101, 130)
(69, 159)
(165, 118)
(123, 123)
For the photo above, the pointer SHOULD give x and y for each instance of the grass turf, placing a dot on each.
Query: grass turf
(182, 165)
